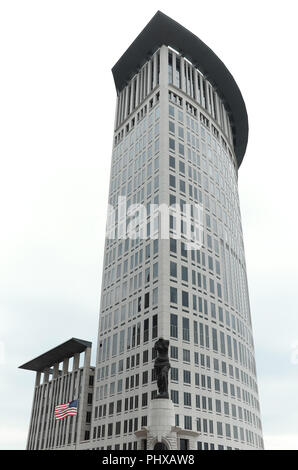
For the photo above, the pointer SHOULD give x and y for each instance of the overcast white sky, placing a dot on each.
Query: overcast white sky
(57, 102)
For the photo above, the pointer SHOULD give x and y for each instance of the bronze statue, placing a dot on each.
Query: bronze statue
(161, 367)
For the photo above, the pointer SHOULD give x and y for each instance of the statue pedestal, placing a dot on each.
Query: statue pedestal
(161, 418)
(161, 429)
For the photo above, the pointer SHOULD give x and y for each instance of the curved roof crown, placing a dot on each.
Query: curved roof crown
(162, 30)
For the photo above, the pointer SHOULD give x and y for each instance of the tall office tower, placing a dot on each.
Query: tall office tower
(180, 136)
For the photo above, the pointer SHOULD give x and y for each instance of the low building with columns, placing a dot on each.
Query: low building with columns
(63, 374)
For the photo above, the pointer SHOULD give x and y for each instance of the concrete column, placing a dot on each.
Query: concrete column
(126, 112)
(57, 426)
(118, 110)
(224, 119)
(212, 103)
(83, 397)
(208, 104)
(201, 90)
(121, 107)
(37, 378)
(87, 357)
(192, 88)
(56, 370)
(174, 69)
(70, 398)
(141, 94)
(50, 416)
(146, 79)
(217, 109)
(131, 98)
(155, 70)
(182, 74)
(149, 75)
(65, 366)
(137, 90)
(125, 103)
(33, 411)
(46, 374)
(197, 93)
(76, 361)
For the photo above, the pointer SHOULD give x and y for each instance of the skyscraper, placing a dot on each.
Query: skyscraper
(180, 136)
(174, 267)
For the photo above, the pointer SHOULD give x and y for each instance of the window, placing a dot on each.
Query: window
(184, 273)
(185, 328)
(187, 399)
(110, 429)
(186, 355)
(155, 270)
(187, 423)
(172, 181)
(145, 356)
(146, 300)
(171, 144)
(181, 148)
(185, 300)
(214, 339)
(175, 396)
(118, 428)
(173, 245)
(174, 351)
(182, 167)
(114, 344)
(144, 399)
(121, 343)
(145, 377)
(174, 327)
(186, 377)
(182, 186)
(173, 295)
(146, 330)
(155, 296)
(154, 326)
(173, 269)
(174, 374)
(119, 406)
(144, 421)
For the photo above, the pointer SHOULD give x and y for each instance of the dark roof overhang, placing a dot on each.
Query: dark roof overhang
(162, 30)
(57, 354)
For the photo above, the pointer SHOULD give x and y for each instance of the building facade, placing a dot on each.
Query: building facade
(180, 136)
(63, 374)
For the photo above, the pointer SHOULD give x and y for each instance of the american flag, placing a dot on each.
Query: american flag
(67, 409)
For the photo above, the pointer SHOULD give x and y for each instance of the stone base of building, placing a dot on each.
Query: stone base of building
(161, 432)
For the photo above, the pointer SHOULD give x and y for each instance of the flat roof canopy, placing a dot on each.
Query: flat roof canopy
(57, 354)
(162, 30)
